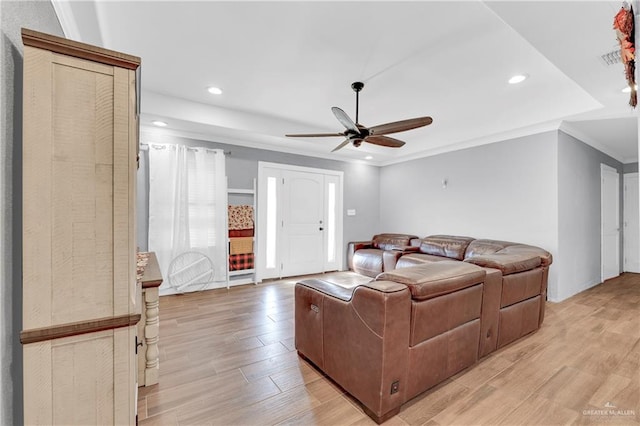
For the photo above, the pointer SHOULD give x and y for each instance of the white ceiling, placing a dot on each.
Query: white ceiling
(283, 65)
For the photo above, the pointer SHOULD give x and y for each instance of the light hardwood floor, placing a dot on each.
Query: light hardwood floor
(227, 357)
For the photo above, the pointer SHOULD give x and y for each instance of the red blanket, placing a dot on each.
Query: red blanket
(238, 262)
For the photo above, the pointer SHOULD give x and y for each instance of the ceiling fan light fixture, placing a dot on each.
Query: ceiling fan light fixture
(214, 90)
(518, 78)
(159, 123)
(355, 133)
(627, 89)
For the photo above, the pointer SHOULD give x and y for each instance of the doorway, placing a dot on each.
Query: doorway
(610, 222)
(299, 229)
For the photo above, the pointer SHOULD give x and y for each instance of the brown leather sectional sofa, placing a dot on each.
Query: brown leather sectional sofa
(413, 312)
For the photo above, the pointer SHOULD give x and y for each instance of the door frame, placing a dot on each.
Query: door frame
(606, 169)
(628, 216)
(261, 209)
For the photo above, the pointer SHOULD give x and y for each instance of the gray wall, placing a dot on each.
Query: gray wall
(579, 214)
(630, 168)
(505, 191)
(361, 181)
(40, 16)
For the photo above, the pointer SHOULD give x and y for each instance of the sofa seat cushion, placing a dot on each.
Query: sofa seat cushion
(450, 246)
(413, 259)
(436, 278)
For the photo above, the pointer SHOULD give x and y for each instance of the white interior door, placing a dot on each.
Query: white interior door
(302, 239)
(299, 223)
(610, 217)
(631, 215)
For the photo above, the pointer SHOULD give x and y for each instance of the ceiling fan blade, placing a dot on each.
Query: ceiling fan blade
(400, 126)
(342, 145)
(314, 135)
(384, 141)
(345, 120)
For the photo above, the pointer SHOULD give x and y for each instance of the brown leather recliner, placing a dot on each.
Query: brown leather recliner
(448, 302)
(390, 339)
(518, 276)
(366, 257)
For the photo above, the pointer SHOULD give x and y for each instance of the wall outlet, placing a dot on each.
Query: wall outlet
(395, 387)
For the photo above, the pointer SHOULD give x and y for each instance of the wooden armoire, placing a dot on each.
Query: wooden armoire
(80, 297)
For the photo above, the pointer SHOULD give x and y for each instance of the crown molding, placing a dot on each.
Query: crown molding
(572, 131)
(66, 18)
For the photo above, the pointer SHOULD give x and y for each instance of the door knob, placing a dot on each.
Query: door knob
(321, 229)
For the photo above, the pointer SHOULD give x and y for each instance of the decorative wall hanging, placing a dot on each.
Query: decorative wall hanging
(624, 25)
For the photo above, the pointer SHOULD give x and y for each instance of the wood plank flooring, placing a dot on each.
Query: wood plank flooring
(227, 357)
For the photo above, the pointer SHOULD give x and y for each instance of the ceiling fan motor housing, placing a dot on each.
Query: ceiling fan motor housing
(357, 86)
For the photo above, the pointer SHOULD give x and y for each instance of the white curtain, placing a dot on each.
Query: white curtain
(187, 223)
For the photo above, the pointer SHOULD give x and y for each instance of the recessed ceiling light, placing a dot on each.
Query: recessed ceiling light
(628, 89)
(368, 157)
(214, 90)
(159, 123)
(518, 78)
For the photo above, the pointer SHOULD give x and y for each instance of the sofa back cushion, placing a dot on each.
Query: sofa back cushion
(482, 247)
(450, 246)
(505, 262)
(523, 249)
(389, 241)
(509, 257)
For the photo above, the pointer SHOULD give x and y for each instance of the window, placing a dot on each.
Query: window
(272, 206)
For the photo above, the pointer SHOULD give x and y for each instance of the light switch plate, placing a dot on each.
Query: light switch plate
(351, 212)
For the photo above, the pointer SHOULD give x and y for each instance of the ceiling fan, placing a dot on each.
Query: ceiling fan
(356, 133)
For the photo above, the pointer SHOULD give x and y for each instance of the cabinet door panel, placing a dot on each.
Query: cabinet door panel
(81, 390)
(88, 194)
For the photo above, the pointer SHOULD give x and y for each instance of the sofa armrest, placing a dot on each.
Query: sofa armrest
(361, 343)
(354, 246)
(345, 292)
(507, 263)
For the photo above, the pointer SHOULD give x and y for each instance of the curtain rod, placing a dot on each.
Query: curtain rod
(144, 146)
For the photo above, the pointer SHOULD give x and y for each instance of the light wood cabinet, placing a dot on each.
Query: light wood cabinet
(81, 302)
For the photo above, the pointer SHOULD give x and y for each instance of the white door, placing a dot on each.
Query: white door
(610, 217)
(302, 240)
(631, 215)
(299, 223)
